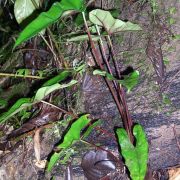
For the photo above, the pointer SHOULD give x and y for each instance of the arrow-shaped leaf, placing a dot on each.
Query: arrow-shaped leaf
(112, 25)
(136, 157)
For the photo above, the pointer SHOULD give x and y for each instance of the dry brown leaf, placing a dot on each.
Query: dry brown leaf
(174, 174)
(37, 146)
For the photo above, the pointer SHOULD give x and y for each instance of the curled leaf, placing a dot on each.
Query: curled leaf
(97, 164)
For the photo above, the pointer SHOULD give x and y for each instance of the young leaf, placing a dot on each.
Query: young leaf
(18, 106)
(136, 158)
(105, 19)
(70, 137)
(90, 128)
(24, 8)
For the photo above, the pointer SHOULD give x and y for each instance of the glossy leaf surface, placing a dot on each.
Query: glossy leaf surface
(41, 22)
(47, 18)
(136, 157)
(105, 19)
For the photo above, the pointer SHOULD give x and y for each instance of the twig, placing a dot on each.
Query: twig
(62, 110)
(21, 76)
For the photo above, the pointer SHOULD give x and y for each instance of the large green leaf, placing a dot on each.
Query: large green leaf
(105, 19)
(129, 81)
(136, 157)
(18, 106)
(70, 137)
(24, 8)
(41, 22)
(44, 91)
(47, 18)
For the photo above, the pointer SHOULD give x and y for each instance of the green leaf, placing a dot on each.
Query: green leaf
(60, 77)
(23, 72)
(17, 107)
(136, 158)
(44, 91)
(90, 128)
(129, 81)
(70, 137)
(40, 94)
(166, 100)
(172, 10)
(24, 8)
(72, 5)
(99, 72)
(176, 37)
(41, 22)
(47, 18)
(105, 19)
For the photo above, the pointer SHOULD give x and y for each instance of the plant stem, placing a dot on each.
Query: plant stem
(99, 62)
(21, 76)
(121, 90)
